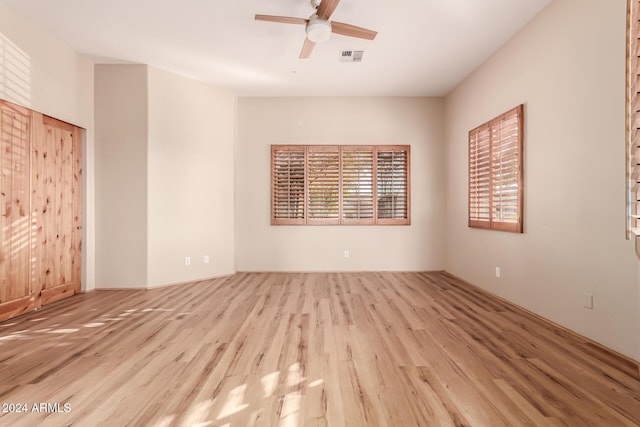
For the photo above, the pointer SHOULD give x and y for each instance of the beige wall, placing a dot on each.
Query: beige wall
(121, 175)
(39, 72)
(567, 66)
(190, 188)
(164, 177)
(266, 121)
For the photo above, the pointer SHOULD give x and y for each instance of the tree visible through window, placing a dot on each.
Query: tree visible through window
(331, 184)
(495, 173)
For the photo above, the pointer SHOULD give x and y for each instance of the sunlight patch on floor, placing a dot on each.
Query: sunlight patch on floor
(165, 421)
(290, 410)
(269, 383)
(93, 325)
(295, 376)
(234, 402)
(198, 413)
(12, 337)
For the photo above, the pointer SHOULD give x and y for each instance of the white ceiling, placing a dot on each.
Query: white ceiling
(424, 47)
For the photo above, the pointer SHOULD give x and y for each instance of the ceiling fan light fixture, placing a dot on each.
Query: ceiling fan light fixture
(318, 30)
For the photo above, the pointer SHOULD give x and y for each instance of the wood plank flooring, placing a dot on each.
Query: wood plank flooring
(294, 349)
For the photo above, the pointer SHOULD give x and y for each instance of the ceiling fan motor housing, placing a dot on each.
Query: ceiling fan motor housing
(318, 30)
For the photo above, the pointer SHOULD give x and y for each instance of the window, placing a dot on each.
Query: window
(633, 117)
(333, 184)
(495, 173)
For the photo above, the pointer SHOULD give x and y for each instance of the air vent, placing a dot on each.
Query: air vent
(351, 55)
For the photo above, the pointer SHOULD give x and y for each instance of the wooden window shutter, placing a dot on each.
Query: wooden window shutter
(336, 184)
(479, 177)
(357, 185)
(506, 186)
(633, 119)
(392, 173)
(323, 184)
(287, 184)
(495, 173)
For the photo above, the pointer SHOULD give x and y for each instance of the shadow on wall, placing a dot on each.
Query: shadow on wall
(15, 73)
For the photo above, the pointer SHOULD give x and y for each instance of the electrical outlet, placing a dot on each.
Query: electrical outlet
(346, 253)
(206, 259)
(187, 260)
(588, 301)
(498, 272)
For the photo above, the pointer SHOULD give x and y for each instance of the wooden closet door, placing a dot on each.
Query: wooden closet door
(16, 293)
(57, 209)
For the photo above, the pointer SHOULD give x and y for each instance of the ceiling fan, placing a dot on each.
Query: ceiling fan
(319, 28)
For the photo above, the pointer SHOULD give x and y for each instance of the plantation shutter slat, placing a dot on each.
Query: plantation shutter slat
(287, 184)
(392, 186)
(495, 173)
(357, 185)
(323, 185)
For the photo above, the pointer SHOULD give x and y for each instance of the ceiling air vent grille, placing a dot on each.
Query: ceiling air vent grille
(351, 55)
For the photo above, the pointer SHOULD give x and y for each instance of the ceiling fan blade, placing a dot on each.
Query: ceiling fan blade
(281, 19)
(307, 48)
(352, 31)
(326, 8)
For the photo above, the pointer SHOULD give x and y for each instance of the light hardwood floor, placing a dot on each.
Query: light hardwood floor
(265, 349)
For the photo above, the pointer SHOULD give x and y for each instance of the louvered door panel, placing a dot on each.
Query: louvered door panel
(323, 184)
(357, 185)
(392, 185)
(288, 185)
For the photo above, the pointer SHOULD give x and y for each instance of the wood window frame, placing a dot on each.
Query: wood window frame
(285, 200)
(486, 170)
